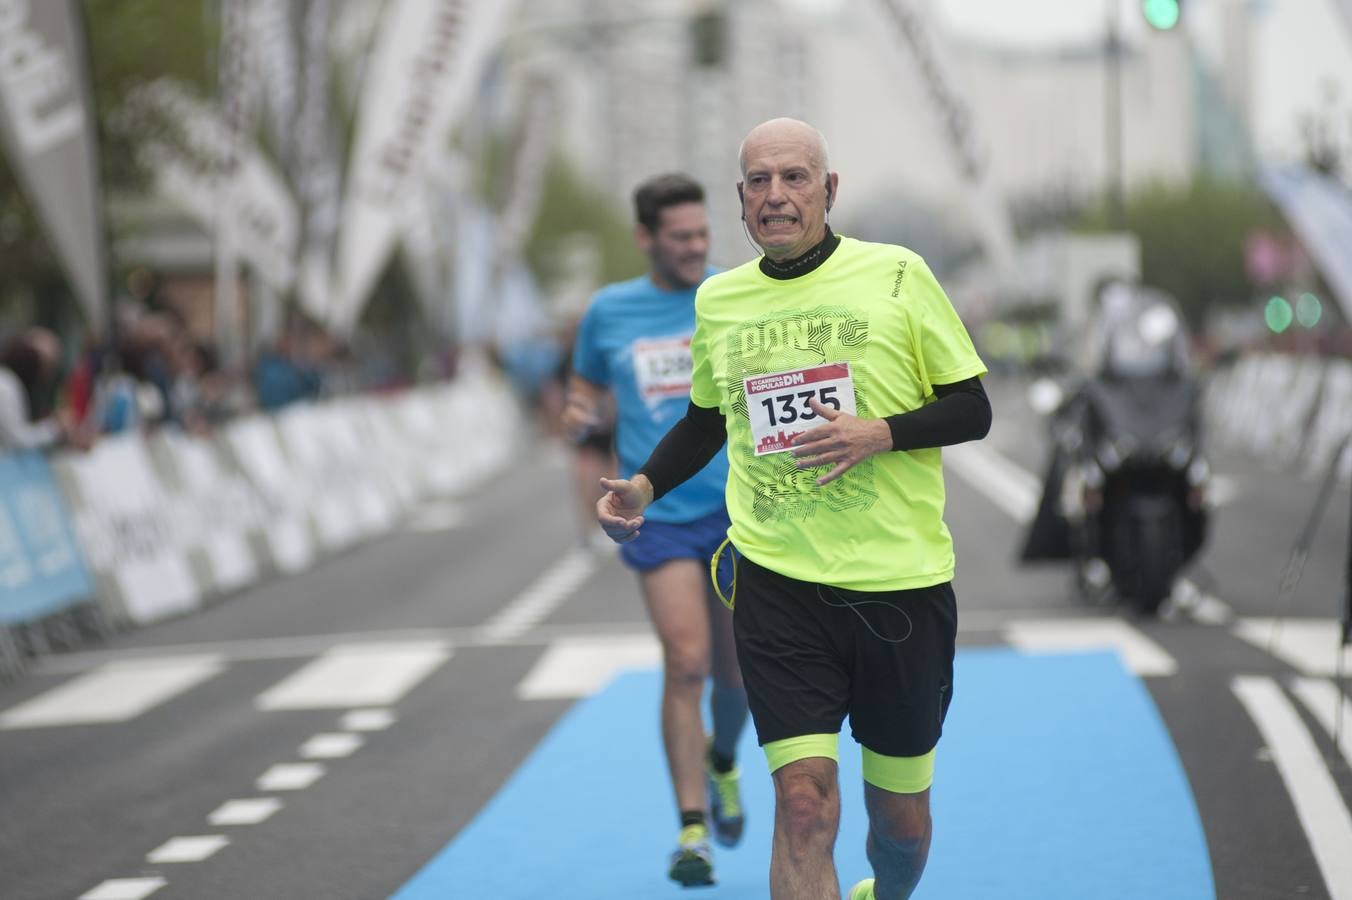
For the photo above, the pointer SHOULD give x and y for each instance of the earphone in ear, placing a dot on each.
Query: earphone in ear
(741, 198)
(828, 193)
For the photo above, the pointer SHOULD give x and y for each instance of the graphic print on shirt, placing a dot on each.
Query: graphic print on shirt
(662, 368)
(793, 340)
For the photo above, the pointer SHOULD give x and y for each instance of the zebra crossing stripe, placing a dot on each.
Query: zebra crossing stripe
(124, 889)
(579, 667)
(1322, 699)
(1310, 646)
(1138, 653)
(114, 692)
(351, 675)
(1318, 803)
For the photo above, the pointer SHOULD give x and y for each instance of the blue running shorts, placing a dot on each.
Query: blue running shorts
(660, 542)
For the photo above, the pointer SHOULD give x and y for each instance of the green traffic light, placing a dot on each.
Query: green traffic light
(1278, 314)
(1162, 15)
(1308, 310)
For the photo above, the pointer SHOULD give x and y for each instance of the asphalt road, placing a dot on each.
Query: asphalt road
(365, 712)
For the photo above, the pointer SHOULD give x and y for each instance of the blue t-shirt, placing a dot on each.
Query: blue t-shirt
(635, 340)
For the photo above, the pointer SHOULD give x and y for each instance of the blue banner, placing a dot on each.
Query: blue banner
(41, 570)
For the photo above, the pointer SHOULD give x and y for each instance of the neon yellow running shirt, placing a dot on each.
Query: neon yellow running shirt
(879, 309)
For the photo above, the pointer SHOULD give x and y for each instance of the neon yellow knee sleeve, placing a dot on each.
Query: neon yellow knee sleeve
(780, 753)
(898, 774)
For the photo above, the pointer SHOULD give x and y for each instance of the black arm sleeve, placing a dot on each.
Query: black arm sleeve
(960, 412)
(686, 449)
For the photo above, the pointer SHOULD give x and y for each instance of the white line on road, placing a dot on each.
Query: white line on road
(541, 598)
(330, 746)
(1138, 653)
(114, 692)
(1002, 481)
(187, 849)
(582, 666)
(1321, 698)
(1317, 800)
(290, 777)
(1309, 645)
(351, 675)
(124, 889)
(245, 812)
(368, 720)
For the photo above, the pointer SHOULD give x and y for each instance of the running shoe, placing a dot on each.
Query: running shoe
(725, 804)
(692, 865)
(862, 891)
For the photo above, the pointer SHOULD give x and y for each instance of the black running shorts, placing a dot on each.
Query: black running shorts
(812, 654)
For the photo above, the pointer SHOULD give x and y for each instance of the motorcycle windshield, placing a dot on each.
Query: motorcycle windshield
(1146, 414)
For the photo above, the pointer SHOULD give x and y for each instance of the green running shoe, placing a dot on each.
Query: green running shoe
(692, 865)
(862, 891)
(725, 804)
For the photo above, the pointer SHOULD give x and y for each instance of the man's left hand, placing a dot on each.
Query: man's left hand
(843, 441)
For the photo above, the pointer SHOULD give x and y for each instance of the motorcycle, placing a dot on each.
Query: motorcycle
(1125, 497)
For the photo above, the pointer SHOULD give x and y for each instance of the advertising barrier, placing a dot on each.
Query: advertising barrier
(155, 526)
(41, 570)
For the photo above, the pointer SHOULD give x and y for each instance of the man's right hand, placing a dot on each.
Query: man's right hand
(620, 510)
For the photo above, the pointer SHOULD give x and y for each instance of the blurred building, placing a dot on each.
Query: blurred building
(666, 85)
(1043, 114)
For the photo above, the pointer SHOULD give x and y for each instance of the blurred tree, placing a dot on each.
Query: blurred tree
(569, 205)
(1192, 239)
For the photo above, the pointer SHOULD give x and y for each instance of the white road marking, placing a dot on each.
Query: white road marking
(1319, 806)
(1138, 653)
(1002, 481)
(114, 692)
(124, 889)
(1321, 697)
(245, 812)
(187, 849)
(580, 667)
(540, 599)
(331, 746)
(290, 777)
(1309, 645)
(357, 675)
(368, 720)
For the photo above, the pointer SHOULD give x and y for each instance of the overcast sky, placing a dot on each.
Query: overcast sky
(1299, 46)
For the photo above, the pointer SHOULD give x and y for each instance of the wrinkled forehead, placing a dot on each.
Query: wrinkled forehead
(782, 150)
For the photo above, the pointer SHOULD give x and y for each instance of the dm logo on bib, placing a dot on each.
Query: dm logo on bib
(775, 365)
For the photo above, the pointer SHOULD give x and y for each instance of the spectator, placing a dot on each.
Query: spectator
(29, 369)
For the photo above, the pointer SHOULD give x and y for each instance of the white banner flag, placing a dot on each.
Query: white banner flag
(908, 25)
(316, 166)
(46, 121)
(526, 183)
(276, 66)
(257, 210)
(426, 65)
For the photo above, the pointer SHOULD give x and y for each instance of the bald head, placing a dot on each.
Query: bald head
(786, 132)
(787, 187)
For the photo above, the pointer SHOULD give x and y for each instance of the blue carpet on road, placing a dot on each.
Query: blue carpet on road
(1055, 779)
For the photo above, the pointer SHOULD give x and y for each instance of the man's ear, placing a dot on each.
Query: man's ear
(643, 237)
(741, 199)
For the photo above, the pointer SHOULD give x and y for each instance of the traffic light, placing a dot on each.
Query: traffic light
(1162, 15)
